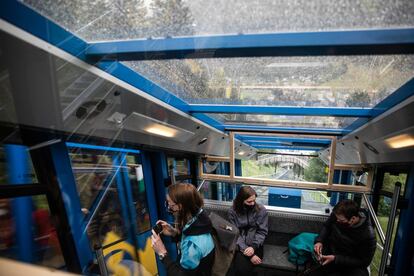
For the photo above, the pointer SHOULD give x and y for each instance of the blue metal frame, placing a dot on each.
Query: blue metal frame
(265, 146)
(67, 186)
(255, 128)
(403, 249)
(156, 195)
(285, 144)
(267, 139)
(122, 194)
(281, 110)
(359, 42)
(103, 148)
(18, 172)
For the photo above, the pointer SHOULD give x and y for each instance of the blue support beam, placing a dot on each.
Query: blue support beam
(264, 146)
(286, 143)
(256, 128)
(250, 139)
(18, 172)
(68, 189)
(359, 42)
(282, 110)
(103, 148)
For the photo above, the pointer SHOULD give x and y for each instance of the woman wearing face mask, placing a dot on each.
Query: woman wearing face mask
(193, 230)
(252, 220)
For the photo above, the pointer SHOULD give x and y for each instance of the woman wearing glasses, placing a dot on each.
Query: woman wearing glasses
(193, 230)
(252, 220)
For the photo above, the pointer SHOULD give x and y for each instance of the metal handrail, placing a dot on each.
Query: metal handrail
(390, 228)
(201, 185)
(374, 218)
(101, 261)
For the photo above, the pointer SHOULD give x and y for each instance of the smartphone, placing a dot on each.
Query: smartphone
(157, 228)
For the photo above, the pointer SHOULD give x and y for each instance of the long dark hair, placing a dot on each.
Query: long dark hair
(188, 198)
(244, 193)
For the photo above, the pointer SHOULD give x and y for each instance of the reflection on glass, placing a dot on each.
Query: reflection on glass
(383, 213)
(22, 174)
(107, 218)
(7, 110)
(279, 197)
(139, 196)
(3, 167)
(106, 20)
(212, 167)
(181, 166)
(326, 81)
(27, 232)
(92, 172)
(389, 181)
(376, 261)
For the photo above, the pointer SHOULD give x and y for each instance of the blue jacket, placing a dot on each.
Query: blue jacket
(197, 249)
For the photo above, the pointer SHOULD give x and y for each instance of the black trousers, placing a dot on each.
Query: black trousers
(242, 266)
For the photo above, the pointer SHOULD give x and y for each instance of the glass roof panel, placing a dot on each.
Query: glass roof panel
(96, 20)
(284, 121)
(325, 81)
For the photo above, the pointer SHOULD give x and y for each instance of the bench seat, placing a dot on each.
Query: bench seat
(276, 257)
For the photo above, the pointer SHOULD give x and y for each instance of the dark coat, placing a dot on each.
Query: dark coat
(352, 246)
(253, 226)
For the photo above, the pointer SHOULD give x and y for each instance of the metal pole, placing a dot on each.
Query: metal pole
(390, 227)
(172, 175)
(374, 218)
(101, 261)
(201, 185)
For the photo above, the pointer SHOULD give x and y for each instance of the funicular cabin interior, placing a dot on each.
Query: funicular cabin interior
(104, 104)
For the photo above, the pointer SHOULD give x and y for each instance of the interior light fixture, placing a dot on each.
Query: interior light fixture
(241, 153)
(400, 141)
(161, 130)
(144, 124)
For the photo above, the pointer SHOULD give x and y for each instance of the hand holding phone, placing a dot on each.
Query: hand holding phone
(157, 228)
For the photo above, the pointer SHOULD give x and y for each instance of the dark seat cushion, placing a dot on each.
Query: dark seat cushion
(276, 257)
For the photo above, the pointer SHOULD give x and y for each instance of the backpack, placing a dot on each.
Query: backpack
(225, 236)
(301, 248)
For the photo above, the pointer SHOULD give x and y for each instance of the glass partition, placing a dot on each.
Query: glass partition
(317, 81)
(286, 165)
(216, 167)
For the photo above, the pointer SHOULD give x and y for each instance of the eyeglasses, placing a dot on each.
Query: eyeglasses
(169, 205)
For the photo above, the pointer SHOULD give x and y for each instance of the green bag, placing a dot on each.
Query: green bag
(301, 248)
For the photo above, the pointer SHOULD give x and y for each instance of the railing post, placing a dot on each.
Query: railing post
(101, 261)
(390, 226)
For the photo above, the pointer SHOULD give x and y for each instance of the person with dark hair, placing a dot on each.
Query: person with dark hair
(252, 221)
(193, 230)
(347, 242)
